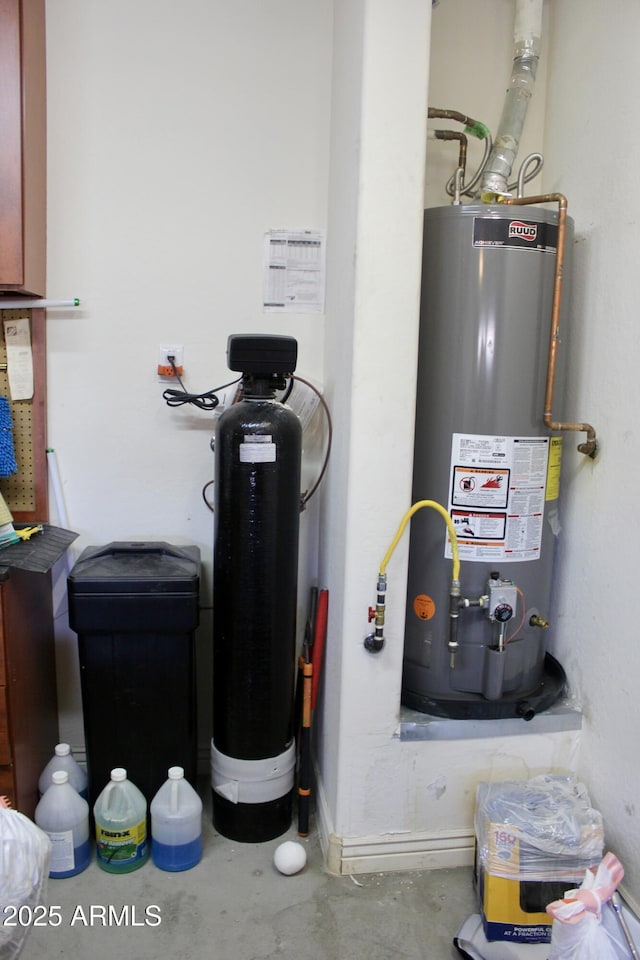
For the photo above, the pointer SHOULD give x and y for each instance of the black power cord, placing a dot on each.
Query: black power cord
(204, 401)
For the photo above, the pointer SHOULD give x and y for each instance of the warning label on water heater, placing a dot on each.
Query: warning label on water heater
(496, 496)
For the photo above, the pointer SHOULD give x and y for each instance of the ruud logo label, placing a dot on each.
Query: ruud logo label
(515, 234)
(524, 231)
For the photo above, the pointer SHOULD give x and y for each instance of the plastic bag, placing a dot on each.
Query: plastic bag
(587, 940)
(577, 932)
(25, 851)
(547, 823)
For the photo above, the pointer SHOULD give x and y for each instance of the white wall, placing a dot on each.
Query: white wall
(592, 147)
(375, 222)
(178, 134)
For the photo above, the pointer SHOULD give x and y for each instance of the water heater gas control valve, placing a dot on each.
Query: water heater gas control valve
(503, 598)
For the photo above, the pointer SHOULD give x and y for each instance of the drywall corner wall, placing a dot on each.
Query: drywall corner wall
(375, 220)
(592, 146)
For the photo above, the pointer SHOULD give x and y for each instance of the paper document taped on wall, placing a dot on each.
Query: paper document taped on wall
(294, 271)
(17, 338)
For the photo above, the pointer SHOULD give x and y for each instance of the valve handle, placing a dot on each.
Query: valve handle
(503, 612)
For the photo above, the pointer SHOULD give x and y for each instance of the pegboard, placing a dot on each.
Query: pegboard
(25, 492)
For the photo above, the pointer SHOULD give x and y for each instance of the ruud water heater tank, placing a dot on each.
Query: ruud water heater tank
(482, 450)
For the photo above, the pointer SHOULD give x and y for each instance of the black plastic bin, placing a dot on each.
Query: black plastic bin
(135, 609)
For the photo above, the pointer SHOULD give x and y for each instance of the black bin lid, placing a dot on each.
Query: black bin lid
(142, 567)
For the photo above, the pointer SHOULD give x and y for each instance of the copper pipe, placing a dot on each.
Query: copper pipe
(434, 113)
(462, 154)
(589, 448)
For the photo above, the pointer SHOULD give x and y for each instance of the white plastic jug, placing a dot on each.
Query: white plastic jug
(63, 759)
(121, 825)
(64, 816)
(176, 824)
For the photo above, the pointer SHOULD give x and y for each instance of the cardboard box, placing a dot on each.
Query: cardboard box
(513, 908)
(534, 841)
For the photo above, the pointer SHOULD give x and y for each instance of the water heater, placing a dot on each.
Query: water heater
(483, 451)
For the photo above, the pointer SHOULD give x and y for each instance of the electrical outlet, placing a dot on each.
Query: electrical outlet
(166, 350)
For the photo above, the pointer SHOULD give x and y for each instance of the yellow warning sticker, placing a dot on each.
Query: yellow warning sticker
(423, 607)
(554, 468)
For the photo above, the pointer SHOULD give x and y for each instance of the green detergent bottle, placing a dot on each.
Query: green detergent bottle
(121, 825)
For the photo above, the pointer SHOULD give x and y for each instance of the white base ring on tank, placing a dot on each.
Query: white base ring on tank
(253, 781)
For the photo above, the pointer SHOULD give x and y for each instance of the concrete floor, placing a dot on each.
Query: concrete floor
(234, 905)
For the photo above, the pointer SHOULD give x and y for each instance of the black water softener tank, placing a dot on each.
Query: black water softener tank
(258, 443)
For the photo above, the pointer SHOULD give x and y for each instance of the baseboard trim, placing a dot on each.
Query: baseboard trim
(348, 856)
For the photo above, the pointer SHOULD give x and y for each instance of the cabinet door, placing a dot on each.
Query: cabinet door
(22, 147)
(6, 784)
(31, 680)
(5, 747)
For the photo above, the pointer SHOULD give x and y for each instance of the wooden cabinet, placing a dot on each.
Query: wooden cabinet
(22, 147)
(28, 708)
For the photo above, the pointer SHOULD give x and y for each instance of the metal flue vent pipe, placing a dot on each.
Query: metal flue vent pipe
(526, 41)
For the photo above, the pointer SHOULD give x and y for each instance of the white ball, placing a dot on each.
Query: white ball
(290, 857)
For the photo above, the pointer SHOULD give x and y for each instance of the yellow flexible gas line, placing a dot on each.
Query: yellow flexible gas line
(418, 505)
(374, 642)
